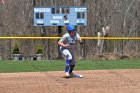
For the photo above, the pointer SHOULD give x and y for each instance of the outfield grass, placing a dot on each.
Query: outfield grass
(58, 65)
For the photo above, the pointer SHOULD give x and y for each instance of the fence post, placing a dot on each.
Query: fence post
(49, 56)
(84, 49)
(59, 32)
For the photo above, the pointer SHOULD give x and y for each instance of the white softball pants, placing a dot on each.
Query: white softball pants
(68, 54)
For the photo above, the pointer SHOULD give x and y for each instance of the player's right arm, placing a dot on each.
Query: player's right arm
(63, 45)
(61, 42)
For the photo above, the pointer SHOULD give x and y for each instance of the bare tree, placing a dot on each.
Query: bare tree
(122, 16)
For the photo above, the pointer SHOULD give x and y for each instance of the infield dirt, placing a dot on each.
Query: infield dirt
(96, 81)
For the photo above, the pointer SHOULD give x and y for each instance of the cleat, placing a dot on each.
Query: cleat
(71, 74)
(67, 75)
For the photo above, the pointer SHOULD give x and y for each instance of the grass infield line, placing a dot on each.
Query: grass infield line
(58, 65)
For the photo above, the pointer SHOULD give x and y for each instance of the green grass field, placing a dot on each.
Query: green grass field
(58, 65)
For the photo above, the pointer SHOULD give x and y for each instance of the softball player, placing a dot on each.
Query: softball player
(66, 44)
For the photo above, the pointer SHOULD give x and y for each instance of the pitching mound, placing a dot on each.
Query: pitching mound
(106, 81)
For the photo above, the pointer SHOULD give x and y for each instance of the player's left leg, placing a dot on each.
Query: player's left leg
(72, 65)
(71, 68)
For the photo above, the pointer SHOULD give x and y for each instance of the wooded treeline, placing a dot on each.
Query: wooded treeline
(122, 16)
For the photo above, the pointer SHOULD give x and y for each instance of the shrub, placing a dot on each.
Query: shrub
(16, 49)
(39, 49)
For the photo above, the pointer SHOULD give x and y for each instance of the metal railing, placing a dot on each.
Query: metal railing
(89, 38)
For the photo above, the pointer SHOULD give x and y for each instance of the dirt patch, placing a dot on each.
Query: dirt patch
(96, 81)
